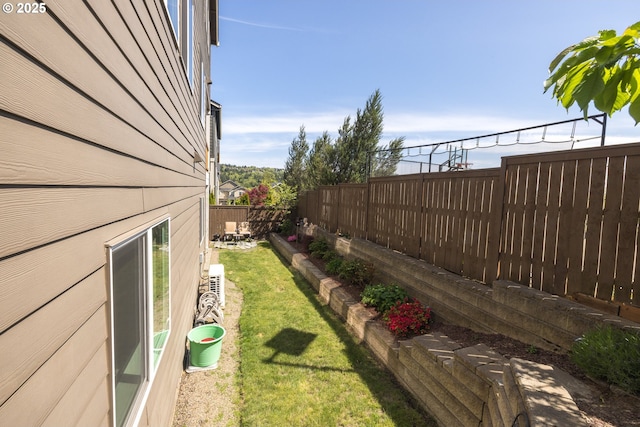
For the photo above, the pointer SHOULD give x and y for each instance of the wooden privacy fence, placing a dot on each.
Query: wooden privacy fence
(262, 220)
(566, 222)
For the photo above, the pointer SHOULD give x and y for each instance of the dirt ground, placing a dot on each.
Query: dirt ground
(212, 398)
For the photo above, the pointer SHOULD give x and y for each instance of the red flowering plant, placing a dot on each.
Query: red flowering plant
(408, 318)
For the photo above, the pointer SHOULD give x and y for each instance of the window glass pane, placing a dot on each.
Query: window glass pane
(173, 7)
(128, 324)
(190, 41)
(160, 283)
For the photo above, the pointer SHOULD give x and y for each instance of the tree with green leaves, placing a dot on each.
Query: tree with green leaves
(356, 141)
(604, 69)
(281, 196)
(385, 161)
(341, 152)
(321, 162)
(249, 176)
(348, 159)
(295, 165)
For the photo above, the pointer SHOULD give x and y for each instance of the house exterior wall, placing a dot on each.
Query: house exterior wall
(214, 150)
(99, 127)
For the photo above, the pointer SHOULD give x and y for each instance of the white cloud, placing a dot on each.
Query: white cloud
(255, 24)
(274, 26)
(262, 140)
(284, 123)
(434, 122)
(393, 123)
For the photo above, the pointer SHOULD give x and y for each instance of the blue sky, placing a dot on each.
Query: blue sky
(446, 69)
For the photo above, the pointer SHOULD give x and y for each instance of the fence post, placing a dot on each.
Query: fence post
(366, 209)
(495, 233)
(421, 219)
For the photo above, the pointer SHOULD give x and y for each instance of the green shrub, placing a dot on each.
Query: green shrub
(287, 227)
(318, 247)
(610, 354)
(357, 272)
(330, 255)
(383, 297)
(333, 267)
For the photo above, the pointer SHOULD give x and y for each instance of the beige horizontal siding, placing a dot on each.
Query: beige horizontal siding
(37, 156)
(31, 93)
(105, 107)
(98, 129)
(35, 216)
(26, 346)
(33, 278)
(164, 44)
(96, 413)
(84, 389)
(43, 386)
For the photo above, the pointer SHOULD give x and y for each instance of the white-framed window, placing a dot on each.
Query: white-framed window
(173, 7)
(140, 307)
(189, 59)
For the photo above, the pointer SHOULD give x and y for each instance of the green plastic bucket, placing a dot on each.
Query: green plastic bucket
(205, 344)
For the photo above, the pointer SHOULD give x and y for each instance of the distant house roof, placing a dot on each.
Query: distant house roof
(229, 185)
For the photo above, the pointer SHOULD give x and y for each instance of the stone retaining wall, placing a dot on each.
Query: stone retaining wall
(531, 316)
(471, 386)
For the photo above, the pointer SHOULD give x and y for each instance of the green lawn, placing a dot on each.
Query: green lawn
(299, 365)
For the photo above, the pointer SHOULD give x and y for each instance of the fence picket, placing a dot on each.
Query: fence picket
(629, 217)
(563, 222)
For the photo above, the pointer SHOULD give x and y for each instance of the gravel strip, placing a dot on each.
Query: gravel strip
(211, 398)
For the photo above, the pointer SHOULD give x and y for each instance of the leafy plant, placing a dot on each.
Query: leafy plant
(333, 266)
(287, 227)
(243, 200)
(383, 297)
(258, 195)
(318, 247)
(604, 69)
(329, 255)
(610, 354)
(408, 318)
(357, 272)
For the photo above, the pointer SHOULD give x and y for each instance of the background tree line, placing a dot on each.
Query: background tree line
(350, 158)
(249, 176)
(265, 186)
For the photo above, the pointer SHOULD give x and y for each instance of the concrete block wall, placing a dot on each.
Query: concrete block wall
(531, 316)
(472, 386)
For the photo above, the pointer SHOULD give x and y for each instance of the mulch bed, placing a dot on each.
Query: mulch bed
(609, 407)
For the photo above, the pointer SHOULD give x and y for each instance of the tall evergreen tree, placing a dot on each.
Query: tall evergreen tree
(321, 162)
(385, 161)
(357, 141)
(343, 153)
(351, 158)
(294, 168)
